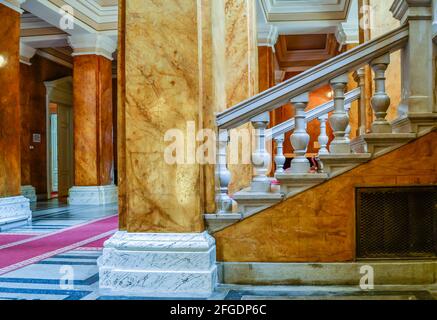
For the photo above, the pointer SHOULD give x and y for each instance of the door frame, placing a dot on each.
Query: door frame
(58, 91)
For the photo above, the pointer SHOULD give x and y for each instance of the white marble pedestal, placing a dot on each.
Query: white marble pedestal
(159, 265)
(29, 193)
(93, 196)
(14, 211)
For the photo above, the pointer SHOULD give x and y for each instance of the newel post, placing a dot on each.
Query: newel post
(417, 57)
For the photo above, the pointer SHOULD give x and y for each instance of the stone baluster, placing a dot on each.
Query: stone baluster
(224, 202)
(323, 137)
(380, 100)
(340, 119)
(261, 159)
(280, 158)
(300, 138)
(359, 77)
(348, 129)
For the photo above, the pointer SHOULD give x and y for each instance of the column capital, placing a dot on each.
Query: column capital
(92, 44)
(268, 36)
(26, 53)
(14, 5)
(406, 10)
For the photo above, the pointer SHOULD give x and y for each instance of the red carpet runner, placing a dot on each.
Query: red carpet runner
(28, 251)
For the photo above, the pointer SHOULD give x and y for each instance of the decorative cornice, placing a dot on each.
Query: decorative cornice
(13, 4)
(53, 58)
(405, 10)
(26, 53)
(346, 34)
(96, 44)
(267, 36)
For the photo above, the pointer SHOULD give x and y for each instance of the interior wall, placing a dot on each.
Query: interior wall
(319, 224)
(33, 119)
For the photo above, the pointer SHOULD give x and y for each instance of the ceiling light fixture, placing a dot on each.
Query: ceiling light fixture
(3, 61)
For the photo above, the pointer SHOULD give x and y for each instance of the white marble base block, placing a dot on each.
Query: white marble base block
(14, 211)
(159, 265)
(93, 196)
(29, 193)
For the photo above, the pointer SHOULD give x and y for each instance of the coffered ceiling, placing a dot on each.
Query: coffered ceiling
(304, 16)
(297, 53)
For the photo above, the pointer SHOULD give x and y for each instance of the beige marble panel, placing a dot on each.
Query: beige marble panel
(382, 21)
(162, 93)
(234, 72)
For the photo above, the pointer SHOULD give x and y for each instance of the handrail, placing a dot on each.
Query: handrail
(313, 114)
(282, 93)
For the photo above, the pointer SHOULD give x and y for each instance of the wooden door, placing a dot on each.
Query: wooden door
(65, 150)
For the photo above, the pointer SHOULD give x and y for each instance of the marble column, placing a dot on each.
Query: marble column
(93, 129)
(171, 89)
(14, 208)
(417, 57)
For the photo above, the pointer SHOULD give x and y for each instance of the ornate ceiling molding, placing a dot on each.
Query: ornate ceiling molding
(267, 35)
(296, 60)
(26, 53)
(93, 44)
(303, 16)
(309, 10)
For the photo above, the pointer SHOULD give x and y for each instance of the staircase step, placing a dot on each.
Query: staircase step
(294, 183)
(217, 222)
(250, 203)
(379, 144)
(336, 164)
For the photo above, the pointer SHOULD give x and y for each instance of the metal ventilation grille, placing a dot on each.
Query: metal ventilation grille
(397, 222)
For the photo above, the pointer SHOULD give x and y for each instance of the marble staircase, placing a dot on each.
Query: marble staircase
(335, 157)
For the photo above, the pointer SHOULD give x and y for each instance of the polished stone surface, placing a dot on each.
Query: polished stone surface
(93, 196)
(10, 103)
(46, 280)
(13, 211)
(93, 140)
(162, 93)
(159, 264)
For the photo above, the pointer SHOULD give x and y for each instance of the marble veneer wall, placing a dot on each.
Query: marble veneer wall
(319, 225)
(33, 119)
(181, 61)
(382, 21)
(9, 103)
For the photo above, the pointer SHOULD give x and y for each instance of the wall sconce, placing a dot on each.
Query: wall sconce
(3, 61)
(329, 94)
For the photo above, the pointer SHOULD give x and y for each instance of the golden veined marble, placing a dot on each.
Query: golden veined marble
(319, 224)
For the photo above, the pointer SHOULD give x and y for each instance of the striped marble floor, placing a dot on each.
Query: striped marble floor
(73, 275)
(53, 216)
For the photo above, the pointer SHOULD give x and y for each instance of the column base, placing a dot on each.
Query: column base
(14, 212)
(29, 193)
(159, 265)
(93, 196)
